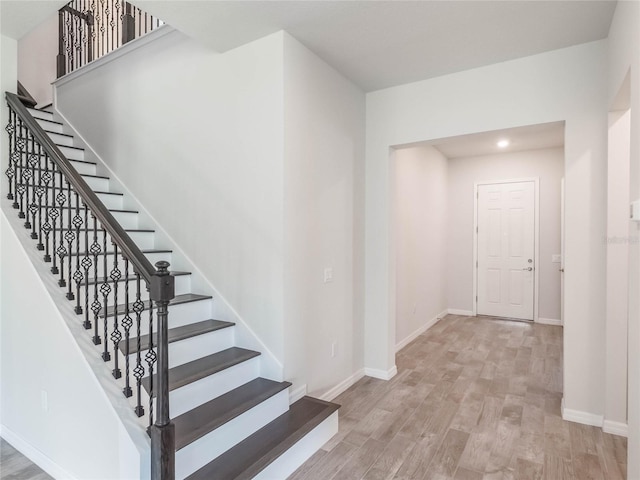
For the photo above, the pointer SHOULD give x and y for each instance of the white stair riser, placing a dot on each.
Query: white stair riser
(199, 453)
(60, 139)
(186, 313)
(183, 285)
(126, 219)
(111, 201)
(190, 396)
(72, 153)
(289, 461)
(84, 168)
(50, 126)
(40, 114)
(144, 240)
(97, 183)
(189, 349)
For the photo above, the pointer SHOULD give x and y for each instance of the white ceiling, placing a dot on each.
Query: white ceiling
(530, 137)
(378, 44)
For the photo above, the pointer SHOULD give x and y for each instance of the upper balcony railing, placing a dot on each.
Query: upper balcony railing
(89, 29)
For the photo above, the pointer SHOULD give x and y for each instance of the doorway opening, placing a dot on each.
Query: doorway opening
(435, 185)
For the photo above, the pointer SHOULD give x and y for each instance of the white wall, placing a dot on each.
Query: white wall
(624, 58)
(323, 220)
(37, 53)
(421, 218)
(198, 138)
(52, 406)
(548, 166)
(567, 84)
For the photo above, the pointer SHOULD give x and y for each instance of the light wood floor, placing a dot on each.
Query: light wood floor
(474, 398)
(15, 466)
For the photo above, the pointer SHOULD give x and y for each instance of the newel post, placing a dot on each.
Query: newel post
(61, 59)
(161, 291)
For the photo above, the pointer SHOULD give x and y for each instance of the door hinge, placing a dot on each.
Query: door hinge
(476, 264)
(476, 229)
(476, 298)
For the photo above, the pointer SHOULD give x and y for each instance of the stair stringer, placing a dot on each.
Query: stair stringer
(128, 440)
(270, 366)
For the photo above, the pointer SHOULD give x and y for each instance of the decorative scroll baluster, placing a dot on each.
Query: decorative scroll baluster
(47, 227)
(138, 371)
(10, 172)
(86, 264)
(116, 335)
(40, 191)
(62, 251)
(70, 236)
(21, 146)
(96, 306)
(33, 162)
(77, 274)
(127, 323)
(54, 213)
(105, 289)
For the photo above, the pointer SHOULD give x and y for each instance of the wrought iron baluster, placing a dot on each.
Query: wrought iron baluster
(70, 236)
(138, 371)
(86, 264)
(30, 174)
(40, 190)
(78, 276)
(62, 251)
(21, 144)
(96, 306)
(116, 335)
(46, 226)
(10, 172)
(105, 289)
(127, 323)
(54, 213)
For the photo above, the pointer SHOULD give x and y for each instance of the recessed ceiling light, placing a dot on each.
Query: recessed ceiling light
(503, 143)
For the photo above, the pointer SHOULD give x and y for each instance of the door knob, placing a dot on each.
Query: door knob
(528, 269)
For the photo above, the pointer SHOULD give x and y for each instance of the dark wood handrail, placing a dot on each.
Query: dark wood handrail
(128, 248)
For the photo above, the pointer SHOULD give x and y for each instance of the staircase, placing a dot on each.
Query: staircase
(229, 422)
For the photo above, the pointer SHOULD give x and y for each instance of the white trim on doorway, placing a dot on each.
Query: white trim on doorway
(536, 263)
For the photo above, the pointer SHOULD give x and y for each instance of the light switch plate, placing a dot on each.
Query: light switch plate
(556, 258)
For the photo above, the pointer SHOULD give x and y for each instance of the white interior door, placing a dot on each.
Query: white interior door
(506, 247)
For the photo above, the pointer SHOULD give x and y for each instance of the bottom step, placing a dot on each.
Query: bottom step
(254, 454)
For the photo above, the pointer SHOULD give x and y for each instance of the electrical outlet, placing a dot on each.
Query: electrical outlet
(334, 347)
(44, 400)
(328, 275)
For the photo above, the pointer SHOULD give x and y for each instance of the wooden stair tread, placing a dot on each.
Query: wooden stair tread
(205, 418)
(176, 334)
(203, 367)
(177, 300)
(256, 452)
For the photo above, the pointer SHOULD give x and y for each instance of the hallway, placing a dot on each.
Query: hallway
(474, 398)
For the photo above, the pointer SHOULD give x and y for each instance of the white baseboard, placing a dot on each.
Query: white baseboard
(455, 311)
(578, 416)
(406, 341)
(615, 428)
(381, 374)
(329, 395)
(297, 394)
(549, 321)
(35, 455)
